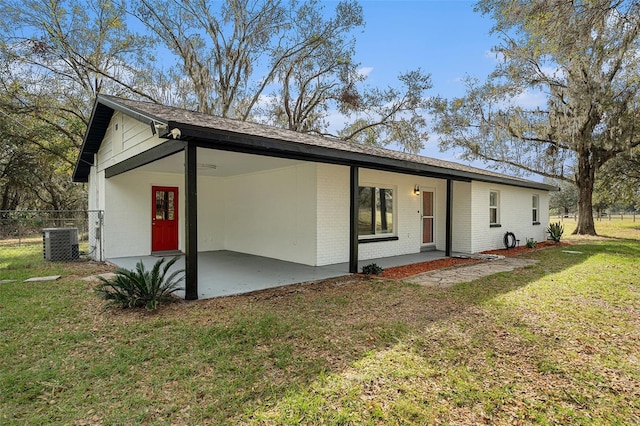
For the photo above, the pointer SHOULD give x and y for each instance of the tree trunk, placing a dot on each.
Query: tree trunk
(585, 181)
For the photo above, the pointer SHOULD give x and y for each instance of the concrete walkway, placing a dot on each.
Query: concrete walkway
(444, 278)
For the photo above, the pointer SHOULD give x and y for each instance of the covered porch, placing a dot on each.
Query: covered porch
(226, 273)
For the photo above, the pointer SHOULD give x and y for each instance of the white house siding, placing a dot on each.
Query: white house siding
(273, 213)
(94, 203)
(461, 220)
(124, 138)
(515, 215)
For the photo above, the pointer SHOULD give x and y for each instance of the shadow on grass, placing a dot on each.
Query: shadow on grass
(222, 359)
(459, 333)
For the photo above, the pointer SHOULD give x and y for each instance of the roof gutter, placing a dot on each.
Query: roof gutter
(132, 112)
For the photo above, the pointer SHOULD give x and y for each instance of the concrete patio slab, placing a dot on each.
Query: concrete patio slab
(225, 273)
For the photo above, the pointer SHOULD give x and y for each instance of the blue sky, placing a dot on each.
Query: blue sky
(446, 39)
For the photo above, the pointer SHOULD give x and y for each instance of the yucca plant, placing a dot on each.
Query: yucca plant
(555, 231)
(140, 287)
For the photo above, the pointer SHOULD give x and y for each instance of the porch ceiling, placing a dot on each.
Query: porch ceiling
(219, 163)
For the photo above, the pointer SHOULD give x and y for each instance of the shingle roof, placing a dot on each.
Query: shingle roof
(286, 139)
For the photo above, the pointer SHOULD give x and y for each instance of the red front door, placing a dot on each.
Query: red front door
(164, 218)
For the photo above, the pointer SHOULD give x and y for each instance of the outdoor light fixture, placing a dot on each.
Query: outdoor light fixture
(416, 189)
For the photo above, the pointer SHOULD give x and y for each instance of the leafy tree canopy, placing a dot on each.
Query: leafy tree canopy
(281, 62)
(582, 58)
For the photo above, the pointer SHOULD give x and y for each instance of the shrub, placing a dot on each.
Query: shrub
(531, 243)
(372, 269)
(555, 231)
(140, 287)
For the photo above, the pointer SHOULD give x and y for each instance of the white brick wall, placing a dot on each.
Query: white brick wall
(461, 221)
(515, 212)
(333, 213)
(273, 213)
(332, 226)
(298, 213)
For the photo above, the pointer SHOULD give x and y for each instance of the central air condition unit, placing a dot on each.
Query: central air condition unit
(60, 244)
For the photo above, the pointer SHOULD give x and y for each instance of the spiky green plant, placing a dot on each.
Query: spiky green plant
(555, 231)
(141, 287)
(372, 269)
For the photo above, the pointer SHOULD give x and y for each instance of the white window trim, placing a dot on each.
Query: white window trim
(536, 197)
(496, 207)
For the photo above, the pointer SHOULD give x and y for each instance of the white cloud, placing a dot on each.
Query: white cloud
(529, 99)
(365, 71)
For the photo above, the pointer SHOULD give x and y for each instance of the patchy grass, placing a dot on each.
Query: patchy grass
(554, 343)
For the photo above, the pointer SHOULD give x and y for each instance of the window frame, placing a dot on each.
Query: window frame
(495, 207)
(535, 209)
(380, 236)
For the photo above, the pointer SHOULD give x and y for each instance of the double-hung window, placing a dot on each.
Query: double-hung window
(375, 211)
(534, 209)
(494, 211)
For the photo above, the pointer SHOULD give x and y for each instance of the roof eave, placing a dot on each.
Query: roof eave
(103, 109)
(240, 142)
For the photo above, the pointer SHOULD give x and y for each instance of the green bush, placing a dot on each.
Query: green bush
(372, 269)
(531, 243)
(555, 231)
(140, 287)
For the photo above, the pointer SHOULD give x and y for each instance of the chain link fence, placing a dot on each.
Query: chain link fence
(57, 235)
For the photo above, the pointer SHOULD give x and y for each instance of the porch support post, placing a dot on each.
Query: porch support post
(449, 219)
(353, 223)
(191, 222)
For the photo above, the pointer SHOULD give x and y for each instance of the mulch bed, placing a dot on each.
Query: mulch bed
(400, 272)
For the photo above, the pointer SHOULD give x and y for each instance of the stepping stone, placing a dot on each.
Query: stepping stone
(7, 281)
(38, 279)
(571, 251)
(448, 277)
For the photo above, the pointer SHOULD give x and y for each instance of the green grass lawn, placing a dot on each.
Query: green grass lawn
(555, 343)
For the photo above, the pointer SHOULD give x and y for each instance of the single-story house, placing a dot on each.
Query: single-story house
(171, 180)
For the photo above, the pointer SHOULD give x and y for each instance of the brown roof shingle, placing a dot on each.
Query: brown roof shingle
(413, 163)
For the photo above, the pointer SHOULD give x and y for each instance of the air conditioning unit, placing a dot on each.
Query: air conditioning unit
(60, 244)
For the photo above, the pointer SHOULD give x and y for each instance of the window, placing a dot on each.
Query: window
(534, 209)
(494, 214)
(375, 211)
